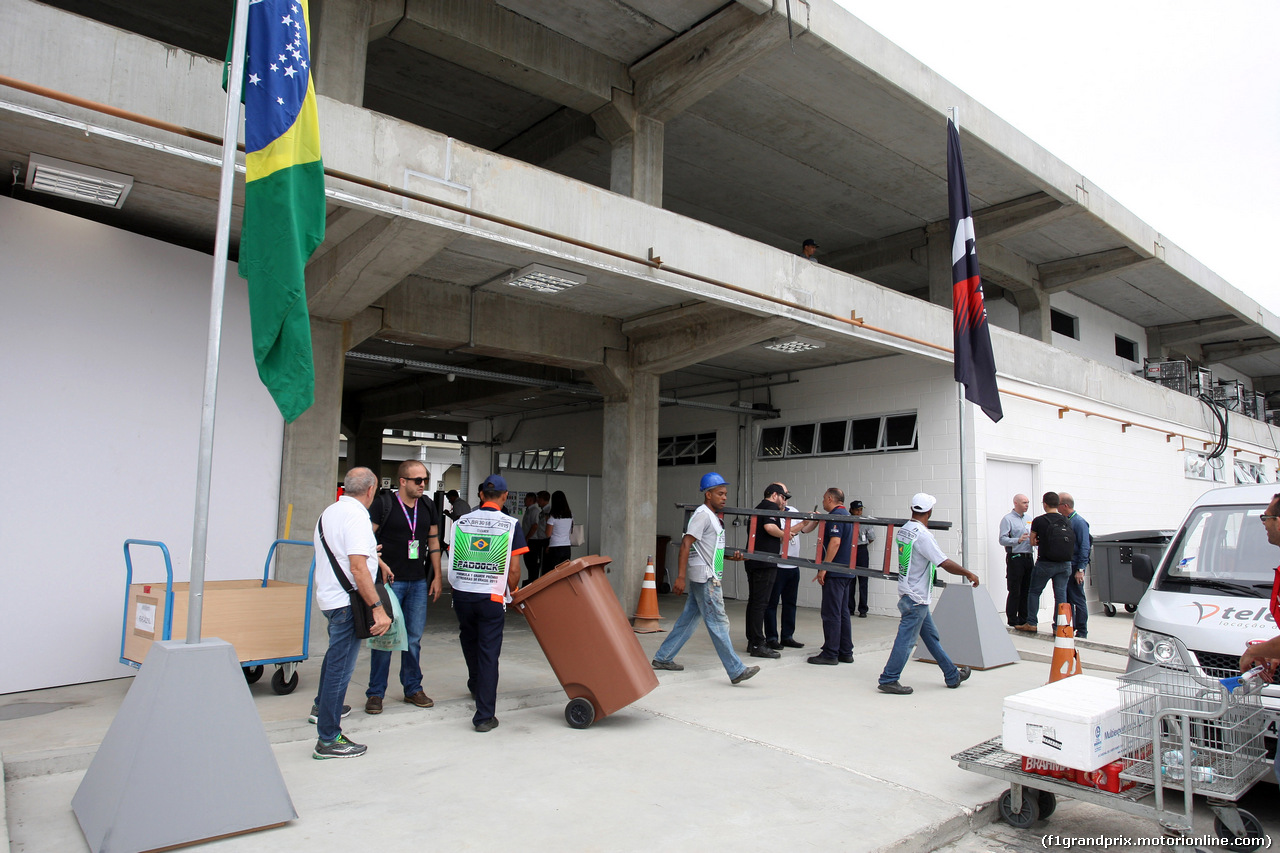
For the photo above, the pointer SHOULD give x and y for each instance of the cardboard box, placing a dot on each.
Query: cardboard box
(1074, 722)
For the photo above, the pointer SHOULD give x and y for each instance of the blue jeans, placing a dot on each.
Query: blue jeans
(786, 586)
(1079, 606)
(1044, 573)
(705, 599)
(413, 604)
(335, 672)
(917, 622)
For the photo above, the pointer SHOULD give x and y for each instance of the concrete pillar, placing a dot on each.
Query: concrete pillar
(365, 447)
(939, 249)
(636, 164)
(629, 513)
(340, 47)
(1033, 314)
(309, 465)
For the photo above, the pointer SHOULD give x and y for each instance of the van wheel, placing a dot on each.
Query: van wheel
(1109, 609)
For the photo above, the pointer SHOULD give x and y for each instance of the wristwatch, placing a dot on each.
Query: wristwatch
(377, 603)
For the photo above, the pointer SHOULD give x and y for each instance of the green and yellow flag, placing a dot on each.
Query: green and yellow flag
(284, 198)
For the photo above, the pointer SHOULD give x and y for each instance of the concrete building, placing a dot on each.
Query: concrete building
(570, 233)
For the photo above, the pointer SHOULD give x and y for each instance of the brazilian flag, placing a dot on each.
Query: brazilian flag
(284, 204)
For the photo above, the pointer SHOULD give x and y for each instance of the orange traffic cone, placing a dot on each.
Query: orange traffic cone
(646, 619)
(1066, 660)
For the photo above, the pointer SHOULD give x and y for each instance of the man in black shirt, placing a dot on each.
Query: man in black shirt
(408, 529)
(761, 575)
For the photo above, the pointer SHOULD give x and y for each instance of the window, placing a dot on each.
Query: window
(800, 439)
(549, 459)
(1064, 324)
(1250, 472)
(687, 449)
(878, 434)
(1126, 349)
(831, 436)
(1198, 466)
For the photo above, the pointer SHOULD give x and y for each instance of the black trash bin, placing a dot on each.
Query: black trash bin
(1112, 565)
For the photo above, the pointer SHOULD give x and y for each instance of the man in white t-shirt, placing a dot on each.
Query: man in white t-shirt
(919, 558)
(348, 533)
(702, 559)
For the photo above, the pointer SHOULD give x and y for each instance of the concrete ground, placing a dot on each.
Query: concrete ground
(799, 757)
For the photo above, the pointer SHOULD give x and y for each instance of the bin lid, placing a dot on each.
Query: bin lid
(1138, 537)
(572, 567)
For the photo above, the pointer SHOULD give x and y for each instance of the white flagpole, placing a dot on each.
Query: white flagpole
(204, 465)
(964, 479)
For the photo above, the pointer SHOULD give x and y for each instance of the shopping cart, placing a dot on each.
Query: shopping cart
(1182, 730)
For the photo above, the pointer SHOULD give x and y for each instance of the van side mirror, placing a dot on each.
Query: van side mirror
(1142, 568)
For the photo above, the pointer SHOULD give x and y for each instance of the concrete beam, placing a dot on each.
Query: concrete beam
(1216, 352)
(1057, 276)
(346, 276)
(680, 337)
(450, 316)
(1196, 331)
(877, 254)
(696, 63)
(1012, 218)
(427, 393)
(549, 138)
(361, 327)
(491, 40)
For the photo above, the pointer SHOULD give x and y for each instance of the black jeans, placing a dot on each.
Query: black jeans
(1017, 576)
(786, 586)
(533, 558)
(760, 578)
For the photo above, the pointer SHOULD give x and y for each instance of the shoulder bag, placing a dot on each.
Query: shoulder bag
(361, 613)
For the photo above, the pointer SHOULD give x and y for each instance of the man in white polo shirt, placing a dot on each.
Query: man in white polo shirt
(348, 532)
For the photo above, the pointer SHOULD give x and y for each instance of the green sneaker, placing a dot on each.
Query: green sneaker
(340, 748)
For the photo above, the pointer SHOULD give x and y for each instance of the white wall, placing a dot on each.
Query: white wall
(1098, 328)
(102, 338)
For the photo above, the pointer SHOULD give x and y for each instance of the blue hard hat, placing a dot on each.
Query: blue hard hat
(711, 480)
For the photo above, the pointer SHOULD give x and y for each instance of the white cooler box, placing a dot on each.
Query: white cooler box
(1074, 722)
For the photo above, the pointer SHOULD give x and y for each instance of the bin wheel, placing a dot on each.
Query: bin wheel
(1109, 609)
(1029, 814)
(279, 685)
(1253, 834)
(252, 673)
(1048, 803)
(579, 713)
(1131, 608)
(664, 588)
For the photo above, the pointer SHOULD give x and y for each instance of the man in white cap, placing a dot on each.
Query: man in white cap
(919, 558)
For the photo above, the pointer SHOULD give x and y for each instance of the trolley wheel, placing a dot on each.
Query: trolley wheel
(1048, 803)
(1252, 831)
(252, 673)
(1131, 608)
(279, 685)
(1109, 609)
(1030, 809)
(579, 713)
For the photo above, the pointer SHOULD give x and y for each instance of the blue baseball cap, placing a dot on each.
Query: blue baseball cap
(494, 483)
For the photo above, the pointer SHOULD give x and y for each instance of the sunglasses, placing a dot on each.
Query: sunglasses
(416, 480)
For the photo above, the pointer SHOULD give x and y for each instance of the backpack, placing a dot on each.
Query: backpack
(1058, 545)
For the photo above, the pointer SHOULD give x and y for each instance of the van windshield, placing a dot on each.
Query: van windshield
(1223, 550)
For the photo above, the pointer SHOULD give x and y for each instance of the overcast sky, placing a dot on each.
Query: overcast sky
(1172, 107)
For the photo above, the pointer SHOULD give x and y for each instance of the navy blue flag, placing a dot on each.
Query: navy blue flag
(975, 365)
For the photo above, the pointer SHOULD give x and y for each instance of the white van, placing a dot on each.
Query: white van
(1212, 589)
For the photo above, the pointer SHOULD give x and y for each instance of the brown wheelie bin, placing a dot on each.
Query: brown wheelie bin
(579, 623)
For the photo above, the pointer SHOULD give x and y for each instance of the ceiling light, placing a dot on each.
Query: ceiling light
(82, 183)
(542, 279)
(793, 343)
